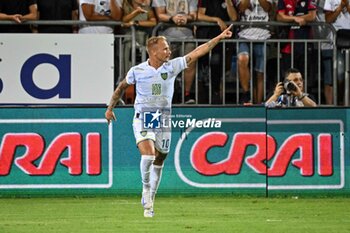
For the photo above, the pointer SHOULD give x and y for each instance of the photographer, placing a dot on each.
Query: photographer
(290, 92)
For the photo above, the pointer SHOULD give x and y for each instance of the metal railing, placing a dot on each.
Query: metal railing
(266, 43)
(228, 42)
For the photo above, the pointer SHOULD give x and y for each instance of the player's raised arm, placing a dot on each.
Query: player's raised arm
(205, 48)
(109, 114)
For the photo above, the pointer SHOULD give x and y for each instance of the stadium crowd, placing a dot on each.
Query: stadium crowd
(180, 17)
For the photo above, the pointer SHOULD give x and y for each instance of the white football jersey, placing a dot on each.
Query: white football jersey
(155, 87)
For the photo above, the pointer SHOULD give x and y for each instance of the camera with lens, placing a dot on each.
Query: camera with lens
(289, 86)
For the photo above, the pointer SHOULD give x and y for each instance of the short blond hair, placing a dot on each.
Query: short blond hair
(154, 41)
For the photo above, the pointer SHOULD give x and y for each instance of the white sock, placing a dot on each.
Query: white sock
(145, 168)
(156, 176)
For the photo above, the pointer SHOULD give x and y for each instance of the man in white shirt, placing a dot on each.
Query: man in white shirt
(154, 81)
(99, 10)
(336, 12)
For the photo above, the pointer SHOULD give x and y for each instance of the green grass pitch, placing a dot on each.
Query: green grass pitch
(175, 214)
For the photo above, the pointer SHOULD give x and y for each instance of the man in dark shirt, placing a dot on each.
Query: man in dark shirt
(57, 10)
(217, 12)
(18, 11)
(301, 12)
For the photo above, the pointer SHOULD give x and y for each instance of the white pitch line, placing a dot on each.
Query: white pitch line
(273, 220)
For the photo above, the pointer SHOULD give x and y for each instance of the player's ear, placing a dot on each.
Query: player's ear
(152, 51)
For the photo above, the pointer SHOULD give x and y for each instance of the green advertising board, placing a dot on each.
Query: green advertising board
(310, 150)
(226, 150)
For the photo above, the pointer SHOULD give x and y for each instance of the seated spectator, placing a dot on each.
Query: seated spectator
(57, 10)
(290, 92)
(99, 10)
(18, 11)
(217, 12)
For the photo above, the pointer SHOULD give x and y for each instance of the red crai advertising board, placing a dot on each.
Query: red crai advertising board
(52, 155)
(266, 150)
(288, 159)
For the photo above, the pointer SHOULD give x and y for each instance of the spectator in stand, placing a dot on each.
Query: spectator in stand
(326, 54)
(18, 11)
(179, 13)
(137, 13)
(57, 10)
(253, 11)
(217, 12)
(337, 12)
(300, 12)
(99, 10)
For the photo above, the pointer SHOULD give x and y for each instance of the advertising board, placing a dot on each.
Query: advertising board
(236, 150)
(56, 68)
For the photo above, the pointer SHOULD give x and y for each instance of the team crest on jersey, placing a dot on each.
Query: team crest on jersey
(164, 76)
(143, 133)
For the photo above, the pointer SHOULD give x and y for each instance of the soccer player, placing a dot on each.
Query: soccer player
(154, 81)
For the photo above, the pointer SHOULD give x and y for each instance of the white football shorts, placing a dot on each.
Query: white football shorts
(160, 136)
